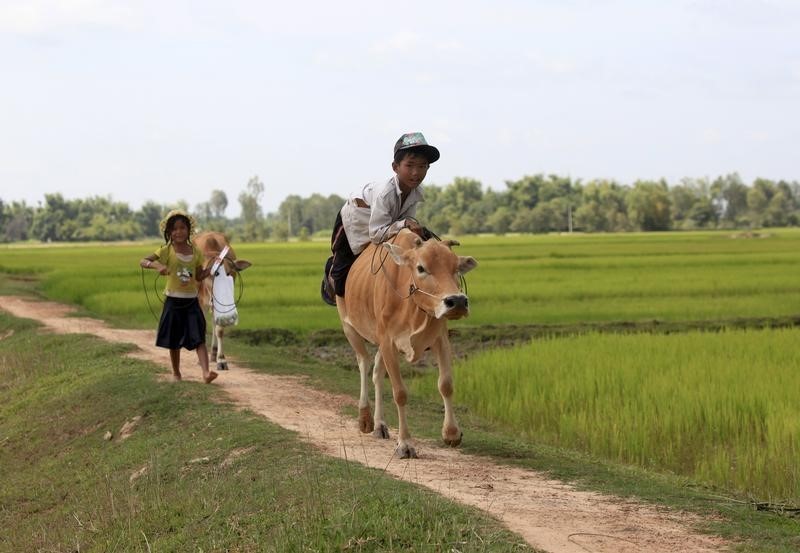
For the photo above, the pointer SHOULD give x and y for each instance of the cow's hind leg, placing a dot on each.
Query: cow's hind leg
(365, 423)
(451, 433)
(404, 449)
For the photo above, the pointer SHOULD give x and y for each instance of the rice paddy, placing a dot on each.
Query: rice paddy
(719, 408)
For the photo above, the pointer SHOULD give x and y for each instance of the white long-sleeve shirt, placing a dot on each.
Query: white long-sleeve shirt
(384, 217)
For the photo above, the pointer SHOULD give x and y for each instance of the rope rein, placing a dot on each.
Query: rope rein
(413, 288)
(157, 293)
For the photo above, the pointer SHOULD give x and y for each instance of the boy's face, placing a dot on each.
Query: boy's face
(411, 171)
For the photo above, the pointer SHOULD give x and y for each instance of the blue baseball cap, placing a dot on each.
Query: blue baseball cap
(416, 141)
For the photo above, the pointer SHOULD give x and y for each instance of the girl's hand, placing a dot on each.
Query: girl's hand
(164, 270)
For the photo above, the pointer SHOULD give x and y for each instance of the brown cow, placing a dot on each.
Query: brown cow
(400, 298)
(223, 310)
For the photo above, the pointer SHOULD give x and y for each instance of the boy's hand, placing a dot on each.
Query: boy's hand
(414, 227)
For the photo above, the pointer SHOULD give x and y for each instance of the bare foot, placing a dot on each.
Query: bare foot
(211, 376)
(176, 376)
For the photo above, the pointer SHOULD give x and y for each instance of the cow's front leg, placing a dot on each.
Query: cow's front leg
(378, 374)
(213, 339)
(222, 363)
(451, 433)
(404, 449)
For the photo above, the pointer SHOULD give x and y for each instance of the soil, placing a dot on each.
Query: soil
(550, 515)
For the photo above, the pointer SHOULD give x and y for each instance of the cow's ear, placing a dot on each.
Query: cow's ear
(451, 243)
(466, 264)
(241, 264)
(397, 252)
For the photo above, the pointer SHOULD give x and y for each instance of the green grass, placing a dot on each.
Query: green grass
(550, 279)
(330, 365)
(720, 408)
(195, 475)
(546, 284)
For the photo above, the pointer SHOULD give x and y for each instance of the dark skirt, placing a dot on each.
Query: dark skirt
(182, 324)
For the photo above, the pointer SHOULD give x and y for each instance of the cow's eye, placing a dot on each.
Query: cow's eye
(420, 269)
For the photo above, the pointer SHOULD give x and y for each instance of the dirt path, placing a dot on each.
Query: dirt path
(549, 514)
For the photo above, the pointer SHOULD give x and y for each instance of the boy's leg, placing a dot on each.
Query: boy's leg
(175, 359)
(343, 257)
(342, 261)
(202, 356)
(328, 289)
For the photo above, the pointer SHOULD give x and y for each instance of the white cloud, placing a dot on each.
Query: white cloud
(36, 17)
(710, 136)
(403, 42)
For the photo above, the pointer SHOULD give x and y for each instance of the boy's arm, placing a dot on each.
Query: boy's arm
(382, 225)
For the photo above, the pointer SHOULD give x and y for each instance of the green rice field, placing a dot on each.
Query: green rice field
(720, 408)
(520, 280)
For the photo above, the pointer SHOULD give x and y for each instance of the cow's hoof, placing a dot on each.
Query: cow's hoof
(222, 366)
(381, 432)
(453, 438)
(365, 424)
(406, 452)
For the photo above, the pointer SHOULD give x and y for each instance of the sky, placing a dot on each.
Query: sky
(166, 101)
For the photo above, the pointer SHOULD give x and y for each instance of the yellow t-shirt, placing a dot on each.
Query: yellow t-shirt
(181, 282)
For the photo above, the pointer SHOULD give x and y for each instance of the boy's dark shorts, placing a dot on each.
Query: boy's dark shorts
(182, 324)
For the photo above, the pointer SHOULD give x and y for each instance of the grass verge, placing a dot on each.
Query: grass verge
(192, 474)
(330, 365)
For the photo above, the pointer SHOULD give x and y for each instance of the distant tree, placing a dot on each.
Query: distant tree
(15, 220)
(523, 220)
(19, 223)
(549, 216)
(47, 221)
(291, 212)
(702, 214)
(602, 208)
(218, 204)
(693, 205)
(758, 198)
(649, 205)
(430, 213)
(500, 221)
(250, 201)
(729, 195)
(280, 231)
(318, 213)
(524, 193)
(149, 217)
(780, 207)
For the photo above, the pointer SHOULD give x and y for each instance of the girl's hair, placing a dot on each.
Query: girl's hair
(171, 224)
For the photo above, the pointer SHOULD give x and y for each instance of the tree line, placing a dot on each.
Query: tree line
(533, 204)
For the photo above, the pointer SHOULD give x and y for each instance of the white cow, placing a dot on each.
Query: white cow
(217, 291)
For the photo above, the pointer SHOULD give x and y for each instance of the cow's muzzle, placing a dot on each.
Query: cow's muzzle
(456, 306)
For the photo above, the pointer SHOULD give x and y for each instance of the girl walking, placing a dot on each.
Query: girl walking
(182, 324)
